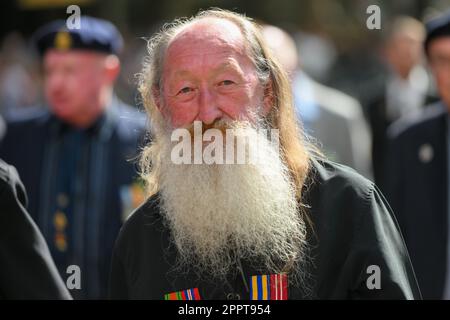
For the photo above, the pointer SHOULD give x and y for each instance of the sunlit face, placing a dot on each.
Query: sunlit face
(73, 83)
(439, 58)
(207, 76)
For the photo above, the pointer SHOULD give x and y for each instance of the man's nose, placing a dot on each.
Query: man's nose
(209, 110)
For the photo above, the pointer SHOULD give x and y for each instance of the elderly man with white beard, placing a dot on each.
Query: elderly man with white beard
(291, 225)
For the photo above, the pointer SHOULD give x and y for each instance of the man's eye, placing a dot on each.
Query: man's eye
(226, 83)
(185, 90)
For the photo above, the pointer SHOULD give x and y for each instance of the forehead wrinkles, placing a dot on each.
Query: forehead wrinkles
(207, 36)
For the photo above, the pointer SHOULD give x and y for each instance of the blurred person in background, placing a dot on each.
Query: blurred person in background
(406, 85)
(417, 179)
(334, 119)
(76, 159)
(20, 82)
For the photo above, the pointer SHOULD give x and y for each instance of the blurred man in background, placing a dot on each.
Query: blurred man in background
(20, 81)
(332, 118)
(406, 85)
(75, 160)
(418, 173)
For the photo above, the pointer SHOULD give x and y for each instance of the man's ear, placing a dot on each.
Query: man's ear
(112, 68)
(268, 98)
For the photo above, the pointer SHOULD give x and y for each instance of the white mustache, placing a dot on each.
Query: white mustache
(212, 146)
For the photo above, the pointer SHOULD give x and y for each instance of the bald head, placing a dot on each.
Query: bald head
(210, 30)
(204, 38)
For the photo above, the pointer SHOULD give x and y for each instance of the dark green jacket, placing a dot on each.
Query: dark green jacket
(354, 229)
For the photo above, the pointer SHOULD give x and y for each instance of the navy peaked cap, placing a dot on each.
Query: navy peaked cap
(94, 34)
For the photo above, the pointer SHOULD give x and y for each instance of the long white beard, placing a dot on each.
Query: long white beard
(220, 213)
